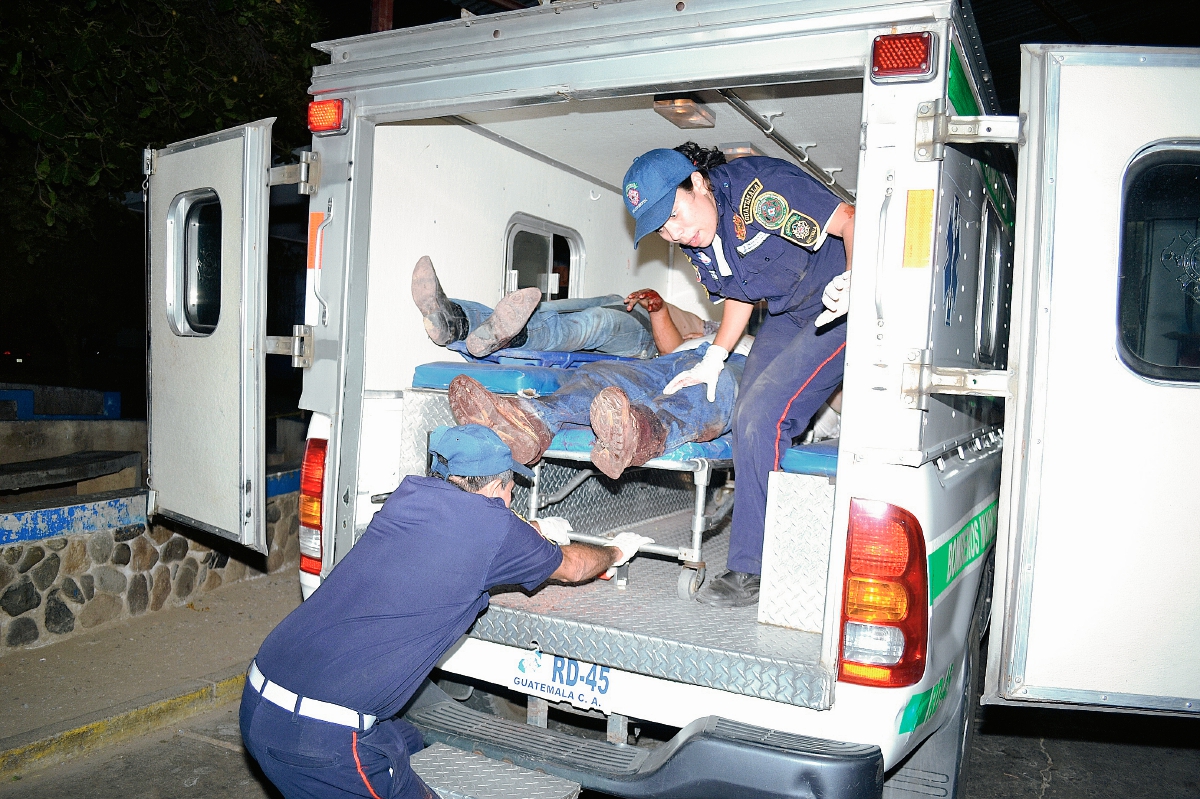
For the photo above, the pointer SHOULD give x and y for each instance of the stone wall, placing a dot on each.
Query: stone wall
(56, 587)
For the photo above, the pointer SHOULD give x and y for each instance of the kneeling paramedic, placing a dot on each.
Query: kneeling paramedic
(320, 708)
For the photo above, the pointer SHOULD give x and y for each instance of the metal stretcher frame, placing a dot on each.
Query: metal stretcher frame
(691, 557)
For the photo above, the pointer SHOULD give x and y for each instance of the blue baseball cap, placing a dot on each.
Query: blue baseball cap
(472, 450)
(650, 186)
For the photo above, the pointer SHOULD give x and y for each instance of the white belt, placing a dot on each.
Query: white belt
(309, 708)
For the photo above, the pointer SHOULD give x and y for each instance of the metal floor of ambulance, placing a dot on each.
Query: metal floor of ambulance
(647, 628)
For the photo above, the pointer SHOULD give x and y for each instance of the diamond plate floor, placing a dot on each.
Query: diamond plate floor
(646, 628)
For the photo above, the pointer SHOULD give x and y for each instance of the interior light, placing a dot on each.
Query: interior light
(903, 56)
(685, 113)
(327, 116)
(739, 149)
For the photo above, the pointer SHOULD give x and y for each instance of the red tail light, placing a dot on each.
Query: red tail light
(312, 491)
(885, 597)
(327, 116)
(903, 56)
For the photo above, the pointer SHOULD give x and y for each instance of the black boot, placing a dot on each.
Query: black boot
(730, 590)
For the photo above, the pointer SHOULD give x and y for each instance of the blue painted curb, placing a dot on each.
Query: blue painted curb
(103, 512)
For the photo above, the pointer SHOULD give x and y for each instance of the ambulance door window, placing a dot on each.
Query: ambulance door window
(1159, 285)
(995, 289)
(194, 268)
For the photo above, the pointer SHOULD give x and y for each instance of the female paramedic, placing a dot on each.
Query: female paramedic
(754, 229)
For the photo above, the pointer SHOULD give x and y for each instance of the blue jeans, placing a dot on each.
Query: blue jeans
(687, 414)
(591, 324)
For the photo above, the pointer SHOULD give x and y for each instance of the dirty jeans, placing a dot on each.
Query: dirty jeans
(687, 414)
(593, 324)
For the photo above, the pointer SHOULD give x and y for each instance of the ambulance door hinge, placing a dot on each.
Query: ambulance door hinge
(299, 346)
(920, 379)
(306, 174)
(936, 129)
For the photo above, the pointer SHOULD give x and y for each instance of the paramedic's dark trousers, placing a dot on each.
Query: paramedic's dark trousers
(792, 368)
(310, 759)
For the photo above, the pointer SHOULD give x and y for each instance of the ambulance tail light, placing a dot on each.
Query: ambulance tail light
(327, 117)
(903, 57)
(885, 597)
(312, 491)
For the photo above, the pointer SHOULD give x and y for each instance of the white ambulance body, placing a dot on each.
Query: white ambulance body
(1020, 383)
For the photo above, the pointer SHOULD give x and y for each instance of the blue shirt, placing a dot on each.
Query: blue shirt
(771, 219)
(405, 593)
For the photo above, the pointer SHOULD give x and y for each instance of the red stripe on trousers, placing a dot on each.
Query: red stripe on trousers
(788, 407)
(358, 764)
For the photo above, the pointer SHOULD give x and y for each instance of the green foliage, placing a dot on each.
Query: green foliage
(86, 85)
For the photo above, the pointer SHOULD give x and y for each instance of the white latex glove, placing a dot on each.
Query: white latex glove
(707, 372)
(555, 529)
(628, 544)
(836, 299)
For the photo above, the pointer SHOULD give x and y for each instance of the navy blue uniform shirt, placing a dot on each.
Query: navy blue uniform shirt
(403, 595)
(771, 220)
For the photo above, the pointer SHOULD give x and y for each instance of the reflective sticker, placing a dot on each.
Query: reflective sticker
(922, 706)
(952, 558)
(746, 206)
(800, 229)
(753, 244)
(918, 228)
(739, 227)
(770, 210)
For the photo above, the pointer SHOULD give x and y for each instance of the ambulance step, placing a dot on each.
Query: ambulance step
(455, 774)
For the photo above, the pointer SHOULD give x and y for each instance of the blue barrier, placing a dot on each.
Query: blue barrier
(23, 399)
(90, 515)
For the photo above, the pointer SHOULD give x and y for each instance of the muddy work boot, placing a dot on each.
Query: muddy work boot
(626, 435)
(730, 590)
(506, 326)
(444, 321)
(513, 418)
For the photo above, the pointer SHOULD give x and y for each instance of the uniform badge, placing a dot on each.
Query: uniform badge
(770, 210)
(800, 229)
(739, 227)
(746, 206)
(704, 259)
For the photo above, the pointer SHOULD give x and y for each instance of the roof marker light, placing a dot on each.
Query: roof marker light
(903, 57)
(327, 117)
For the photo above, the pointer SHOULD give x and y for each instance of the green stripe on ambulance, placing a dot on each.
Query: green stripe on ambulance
(964, 548)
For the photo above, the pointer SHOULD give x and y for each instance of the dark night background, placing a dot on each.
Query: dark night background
(84, 85)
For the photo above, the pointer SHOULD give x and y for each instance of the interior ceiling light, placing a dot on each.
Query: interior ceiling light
(684, 112)
(739, 149)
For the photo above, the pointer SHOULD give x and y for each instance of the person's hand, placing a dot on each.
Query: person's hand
(627, 544)
(836, 299)
(708, 371)
(649, 299)
(555, 529)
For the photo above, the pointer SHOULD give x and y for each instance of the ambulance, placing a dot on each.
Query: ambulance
(1022, 378)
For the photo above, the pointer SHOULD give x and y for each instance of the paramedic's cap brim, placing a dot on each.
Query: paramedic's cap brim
(653, 218)
(522, 470)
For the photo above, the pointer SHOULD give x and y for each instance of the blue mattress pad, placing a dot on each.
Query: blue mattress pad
(581, 440)
(501, 378)
(819, 458)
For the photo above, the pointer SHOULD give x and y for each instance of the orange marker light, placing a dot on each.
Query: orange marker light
(327, 116)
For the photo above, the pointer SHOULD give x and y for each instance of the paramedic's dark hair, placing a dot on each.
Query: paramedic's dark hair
(703, 158)
(470, 483)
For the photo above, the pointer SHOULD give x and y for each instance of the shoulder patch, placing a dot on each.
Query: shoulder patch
(746, 206)
(770, 210)
(739, 227)
(692, 264)
(800, 229)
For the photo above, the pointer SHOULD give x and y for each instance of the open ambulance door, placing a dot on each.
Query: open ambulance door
(1096, 600)
(206, 215)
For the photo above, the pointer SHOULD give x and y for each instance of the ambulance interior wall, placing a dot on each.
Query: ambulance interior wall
(445, 191)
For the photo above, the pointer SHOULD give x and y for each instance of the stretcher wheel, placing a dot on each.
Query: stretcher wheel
(689, 583)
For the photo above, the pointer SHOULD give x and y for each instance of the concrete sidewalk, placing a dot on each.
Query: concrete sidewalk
(65, 699)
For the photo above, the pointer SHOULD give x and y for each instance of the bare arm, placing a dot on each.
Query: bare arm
(841, 224)
(733, 323)
(662, 327)
(583, 562)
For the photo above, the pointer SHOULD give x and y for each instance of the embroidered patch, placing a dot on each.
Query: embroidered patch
(770, 210)
(753, 244)
(746, 207)
(633, 196)
(695, 268)
(704, 259)
(800, 229)
(739, 227)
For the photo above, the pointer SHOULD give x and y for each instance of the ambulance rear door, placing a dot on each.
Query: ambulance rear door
(1096, 600)
(206, 216)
